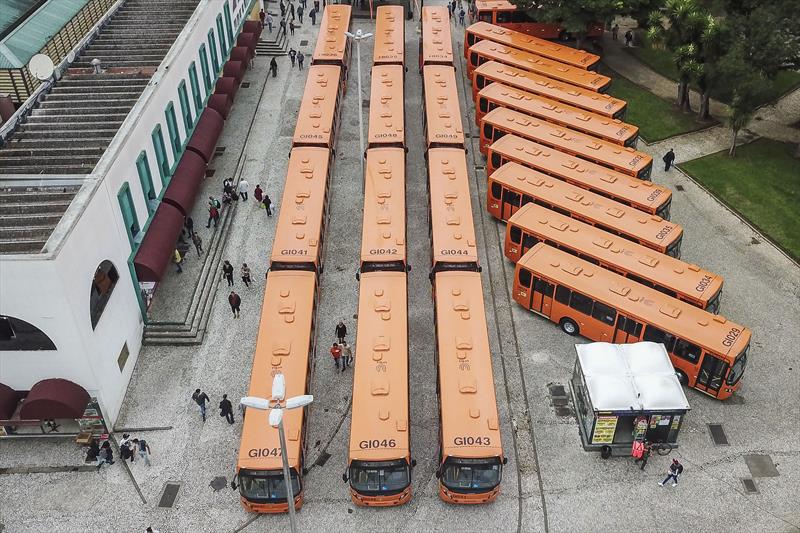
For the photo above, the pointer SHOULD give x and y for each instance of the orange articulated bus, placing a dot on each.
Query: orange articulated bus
(383, 235)
(333, 46)
(599, 103)
(481, 31)
(513, 186)
(533, 224)
(318, 118)
(484, 51)
(501, 121)
(442, 114)
(708, 351)
(300, 233)
(436, 43)
(643, 195)
(390, 38)
(470, 450)
(386, 110)
(609, 129)
(285, 345)
(453, 245)
(379, 467)
(505, 14)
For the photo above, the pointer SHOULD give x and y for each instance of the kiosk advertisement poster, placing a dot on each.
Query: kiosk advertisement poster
(604, 429)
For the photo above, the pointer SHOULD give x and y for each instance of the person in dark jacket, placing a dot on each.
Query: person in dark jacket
(235, 301)
(668, 159)
(106, 455)
(341, 331)
(268, 205)
(93, 451)
(227, 272)
(200, 398)
(675, 470)
(226, 409)
(273, 66)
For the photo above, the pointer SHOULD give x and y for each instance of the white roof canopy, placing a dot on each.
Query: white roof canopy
(635, 377)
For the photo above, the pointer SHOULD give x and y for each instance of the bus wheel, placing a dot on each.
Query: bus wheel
(682, 377)
(569, 326)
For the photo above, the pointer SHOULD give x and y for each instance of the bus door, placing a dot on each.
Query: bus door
(711, 374)
(542, 297)
(509, 203)
(627, 330)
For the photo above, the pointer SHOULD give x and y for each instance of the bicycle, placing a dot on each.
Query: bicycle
(662, 448)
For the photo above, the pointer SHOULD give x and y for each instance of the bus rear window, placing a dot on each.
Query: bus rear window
(485, 16)
(516, 234)
(497, 161)
(497, 190)
(480, 81)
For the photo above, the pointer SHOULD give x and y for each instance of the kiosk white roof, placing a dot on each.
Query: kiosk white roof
(637, 377)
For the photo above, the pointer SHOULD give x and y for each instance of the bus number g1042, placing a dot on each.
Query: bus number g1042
(375, 443)
(383, 251)
(472, 441)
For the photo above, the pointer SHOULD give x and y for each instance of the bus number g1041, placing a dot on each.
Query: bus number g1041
(472, 441)
(294, 252)
(375, 443)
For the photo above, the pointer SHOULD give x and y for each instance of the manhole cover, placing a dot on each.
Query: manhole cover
(218, 483)
(761, 465)
(563, 411)
(169, 495)
(749, 486)
(303, 43)
(718, 434)
(679, 187)
(245, 85)
(322, 459)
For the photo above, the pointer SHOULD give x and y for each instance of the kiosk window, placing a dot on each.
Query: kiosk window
(581, 303)
(562, 294)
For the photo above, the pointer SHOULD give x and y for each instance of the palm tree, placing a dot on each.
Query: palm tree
(741, 112)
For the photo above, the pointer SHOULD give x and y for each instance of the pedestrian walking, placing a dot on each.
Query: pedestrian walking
(675, 470)
(200, 398)
(244, 187)
(641, 452)
(629, 38)
(106, 455)
(144, 450)
(316, 6)
(347, 354)
(292, 54)
(246, 275)
(235, 301)
(313, 15)
(300, 13)
(213, 211)
(270, 22)
(341, 331)
(291, 10)
(300, 59)
(262, 16)
(291, 31)
(227, 272)
(198, 243)
(273, 67)
(226, 409)
(283, 25)
(282, 7)
(188, 223)
(258, 194)
(177, 259)
(125, 449)
(615, 32)
(336, 353)
(668, 159)
(268, 205)
(461, 14)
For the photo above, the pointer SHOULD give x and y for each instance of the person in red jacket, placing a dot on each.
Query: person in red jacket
(235, 301)
(336, 353)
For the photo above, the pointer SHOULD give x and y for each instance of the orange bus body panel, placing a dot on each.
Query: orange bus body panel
(468, 406)
(301, 222)
(648, 230)
(691, 283)
(380, 380)
(528, 43)
(452, 228)
(437, 43)
(332, 45)
(390, 39)
(442, 113)
(492, 51)
(524, 80)
(620, 158)
(494, 10)
(643, 195)
(284, 344)
(609, 129)
(386, 110)
(713, 333)
(319, 108)
(383, 233)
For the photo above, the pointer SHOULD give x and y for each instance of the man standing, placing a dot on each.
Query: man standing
(300, 59)
(615, 31)
(227, 272)
(341, 332)
(244, 187)
(675, 470)
(269, 22)
(629, 38)
(235, 301)
(198, 243)
(347, 355)
(144, 450)
(336, 353)
(643, 454)
(668, 159)
(292, 55)
(273, 66)
(461, 14)
(200, 399)
(226, 409)
(268, 205)
(300, 13)
(313, 15)
(262, 17)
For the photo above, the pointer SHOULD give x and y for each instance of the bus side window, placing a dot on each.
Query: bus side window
(529, 241)
(687, 350)
(653, 334)
(604, 313)
(483, 105)
(516, 234)
(527, 199)
(498, 134)
(485, 16)
(562, 295)
(497, 190)
(505, 17)
(543, 287)
(581, 303)
(470, 39)
(480, 81)
(497, 161)
(630, 326)
(524, 277)
(510, 197)
(473, 59)
(487, 131)
(520, 16)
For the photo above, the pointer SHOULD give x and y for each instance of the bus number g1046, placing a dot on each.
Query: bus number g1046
(375, 443)
(472, 441)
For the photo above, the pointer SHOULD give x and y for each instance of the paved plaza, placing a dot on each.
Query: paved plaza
(550, 483)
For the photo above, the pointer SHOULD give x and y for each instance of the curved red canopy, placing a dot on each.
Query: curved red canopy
(158, 247)
(206, 133)
(182, 189)
(54, 398)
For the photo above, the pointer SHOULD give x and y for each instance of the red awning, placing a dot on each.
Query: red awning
(182, 190)
(252, 26)
(221, 103)
(247, 39)
(158, 247)
(234, 69)
(54, 398)
(227, 86)
(206, 133)
(240, 53)
(8, 402)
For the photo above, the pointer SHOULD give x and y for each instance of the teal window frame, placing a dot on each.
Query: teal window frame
(128, 210)
(186, 108)
(146, 179)
(172, 129)
(198, 98)
(204, 68)
(212, 46)
(228, 24)
(223, 42)
(161, 154)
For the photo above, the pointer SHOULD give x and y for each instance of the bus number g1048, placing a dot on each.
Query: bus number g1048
(375, 443)
(472, 441)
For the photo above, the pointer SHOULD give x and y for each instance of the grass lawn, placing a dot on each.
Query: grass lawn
(762, 183)
(661, 61)
(657, 118)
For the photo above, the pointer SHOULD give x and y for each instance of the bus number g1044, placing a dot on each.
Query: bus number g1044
(472, 441)
(375, 443)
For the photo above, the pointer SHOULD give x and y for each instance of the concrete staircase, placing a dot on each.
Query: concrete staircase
(28, 216)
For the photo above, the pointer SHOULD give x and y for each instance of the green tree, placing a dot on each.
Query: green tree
(574, 15)
(706, 73)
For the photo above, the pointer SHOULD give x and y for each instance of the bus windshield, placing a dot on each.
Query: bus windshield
(472, 475)
(674, 249)
(266, 485)
(379, 476)
(738, 367)
(713, 303)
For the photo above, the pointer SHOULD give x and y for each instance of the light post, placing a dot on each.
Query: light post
(276, 405)
(358, 37)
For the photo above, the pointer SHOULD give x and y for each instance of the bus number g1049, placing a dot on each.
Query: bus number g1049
(375, 443)
(472, 441)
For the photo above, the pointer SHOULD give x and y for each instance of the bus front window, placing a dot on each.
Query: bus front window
(737, 369)
(380, 477)
(674, 249)
(663, 211)
(472, 475)
(645, 172)
(713, 303)
(266, 486)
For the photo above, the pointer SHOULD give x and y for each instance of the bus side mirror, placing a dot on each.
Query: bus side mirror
(505, 460)
(408, 268)
(344, 477)
(358, 276)
(438, 474)
(233, 485)
(430, 277)
(480, 269)
(305, 471)
(413, 463)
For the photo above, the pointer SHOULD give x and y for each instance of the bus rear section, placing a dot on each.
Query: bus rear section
(333, 46)
(318, 117)
(513, 186)
(303, 217)
(470, 449)
(386, 110)
(524, 80)
(383, 233)
(533, 224)
(436, 44)
(390, 38)
(504, 13)
(442, 116)
(708, 351)
(379, 465)
(285, 345)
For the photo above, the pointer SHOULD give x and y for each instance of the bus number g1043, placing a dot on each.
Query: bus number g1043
(472, 441)
(375, 443)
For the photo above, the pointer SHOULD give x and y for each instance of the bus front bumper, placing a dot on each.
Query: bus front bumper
(271, 508)
(381, 501)
(467, 499)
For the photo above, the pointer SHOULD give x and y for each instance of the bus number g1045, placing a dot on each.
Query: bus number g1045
(472, 441)
(375, 443)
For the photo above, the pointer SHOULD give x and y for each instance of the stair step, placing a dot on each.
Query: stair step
(71, 134)
(38, 150)
(100, 99)
(48, 170)
(95, 89)
(41, 205)
(50, 127)
(34, 220)
(53, 107)
(20, 246)
(50, 118)
(25, 232)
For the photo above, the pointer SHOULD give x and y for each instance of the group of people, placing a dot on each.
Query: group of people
(225, 406)
(340, 351)
(641, 452)
(128, 448)
(456, 8)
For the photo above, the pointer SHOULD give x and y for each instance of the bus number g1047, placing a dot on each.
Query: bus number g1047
(375, 443)
(264, 452)
(472, 441)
